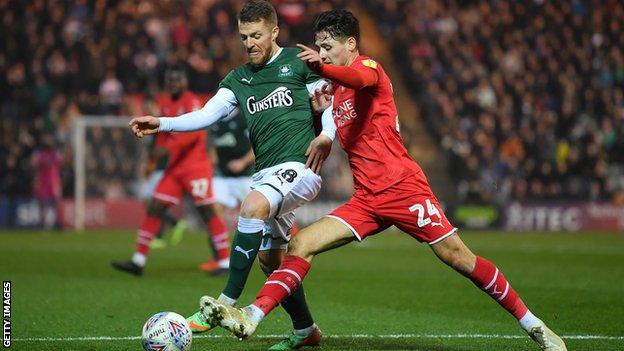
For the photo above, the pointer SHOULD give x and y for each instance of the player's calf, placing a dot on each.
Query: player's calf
(485, 275)
(455, 254)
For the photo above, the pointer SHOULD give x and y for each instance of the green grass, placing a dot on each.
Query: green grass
(63, 287)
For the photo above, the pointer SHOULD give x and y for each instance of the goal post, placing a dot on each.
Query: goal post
(81, 126)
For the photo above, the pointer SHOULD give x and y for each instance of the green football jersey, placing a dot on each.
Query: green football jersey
(231, 141)
(275, 103)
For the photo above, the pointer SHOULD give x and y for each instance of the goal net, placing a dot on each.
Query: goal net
(107, 169)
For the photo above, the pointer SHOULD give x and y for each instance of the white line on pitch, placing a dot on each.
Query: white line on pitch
(336, 336)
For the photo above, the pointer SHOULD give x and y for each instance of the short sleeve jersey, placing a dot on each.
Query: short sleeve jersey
(275, 103)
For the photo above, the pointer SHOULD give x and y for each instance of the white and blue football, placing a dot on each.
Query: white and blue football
(166, 331)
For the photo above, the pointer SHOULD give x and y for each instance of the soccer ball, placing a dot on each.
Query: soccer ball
(166, 331)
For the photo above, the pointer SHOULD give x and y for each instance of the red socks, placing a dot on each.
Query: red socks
(281, 283)
(219, 236)
(285, 280)
(147, 230)
(487, 277)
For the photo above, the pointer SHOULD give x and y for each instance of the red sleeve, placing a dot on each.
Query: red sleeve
(353, 77)
(196, 104)
(181, 141)
(191, 103)
(160, 139)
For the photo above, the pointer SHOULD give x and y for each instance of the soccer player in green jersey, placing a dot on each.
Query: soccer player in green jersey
(272, 91)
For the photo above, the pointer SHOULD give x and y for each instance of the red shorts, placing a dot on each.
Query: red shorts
(195, 181)
(409, 205)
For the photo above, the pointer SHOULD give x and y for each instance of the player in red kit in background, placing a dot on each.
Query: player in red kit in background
(390, 189)
(189, 170)
(151, 174)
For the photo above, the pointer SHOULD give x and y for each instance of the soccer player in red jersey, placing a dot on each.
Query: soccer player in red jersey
(189, 170)
(390, 189)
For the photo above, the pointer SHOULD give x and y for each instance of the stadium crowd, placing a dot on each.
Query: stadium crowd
(526, 99)
(61, 60)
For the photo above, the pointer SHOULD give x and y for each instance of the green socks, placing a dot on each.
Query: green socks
(244, 251)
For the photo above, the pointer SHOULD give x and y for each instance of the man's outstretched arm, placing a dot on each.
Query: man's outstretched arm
(219, 106)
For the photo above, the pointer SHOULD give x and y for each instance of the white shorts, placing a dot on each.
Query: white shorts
(286, 186)
(231, 191)
(149, 185)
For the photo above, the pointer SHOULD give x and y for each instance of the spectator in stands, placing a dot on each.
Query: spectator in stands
(47, 162)
(505, 86)
(111, 93)
(524, 95)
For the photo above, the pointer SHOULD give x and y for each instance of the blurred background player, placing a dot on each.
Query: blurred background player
(152, 172)
(234, 159)
(189, 170)
(47, 163)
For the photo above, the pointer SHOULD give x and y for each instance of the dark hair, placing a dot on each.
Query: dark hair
(339, 24)
(257, 10)
(175, 72)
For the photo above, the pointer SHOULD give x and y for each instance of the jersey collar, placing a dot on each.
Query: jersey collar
(279, 51)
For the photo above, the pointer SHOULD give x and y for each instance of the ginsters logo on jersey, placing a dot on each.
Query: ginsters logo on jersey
(279, 97)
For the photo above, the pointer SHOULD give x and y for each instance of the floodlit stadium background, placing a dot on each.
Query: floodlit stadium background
(505, 105)
(515, 110)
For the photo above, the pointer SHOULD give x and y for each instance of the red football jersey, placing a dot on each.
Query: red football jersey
(368, 126)
(188, 148)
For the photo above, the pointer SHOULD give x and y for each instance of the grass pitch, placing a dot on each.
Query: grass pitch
(388, 293)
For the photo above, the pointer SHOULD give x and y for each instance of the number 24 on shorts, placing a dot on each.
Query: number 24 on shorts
(431, 211)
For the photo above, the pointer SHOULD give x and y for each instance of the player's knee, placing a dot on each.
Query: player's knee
(254, 211)
(156, 208)
(298, 247)
(206, 212)
(458, 259)
(255, 206)
(268, 263)
(267, 267)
